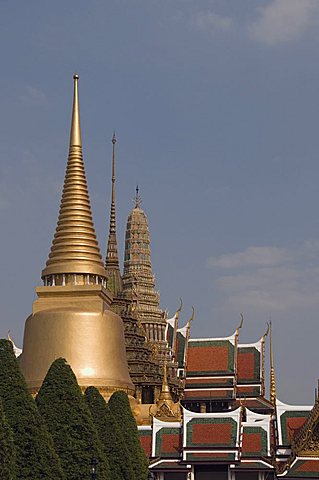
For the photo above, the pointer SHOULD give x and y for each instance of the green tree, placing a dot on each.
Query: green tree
(7, 449)
(36, 458)
(68, 418)
(111, 438)
(121, 410)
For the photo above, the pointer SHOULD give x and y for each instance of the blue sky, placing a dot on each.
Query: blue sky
(216, 109)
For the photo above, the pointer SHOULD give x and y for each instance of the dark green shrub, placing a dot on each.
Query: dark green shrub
(121, 410)
(111, 438)
(68, 418)
(36, 458)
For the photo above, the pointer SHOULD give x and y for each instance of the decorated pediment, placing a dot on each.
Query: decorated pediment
(306, 442)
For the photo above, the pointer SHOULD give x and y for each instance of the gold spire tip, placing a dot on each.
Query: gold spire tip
(75, 134)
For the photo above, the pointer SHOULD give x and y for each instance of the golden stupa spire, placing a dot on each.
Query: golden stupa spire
(75, 250)
(112, 265)
(273, 394)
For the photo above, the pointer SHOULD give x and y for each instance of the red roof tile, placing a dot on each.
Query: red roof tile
(304, 469)
(208, 394)
(212, 432)
(207, 357)
(252, 391)
(248, 365)
(146, 442)
(168, 442)
(251, 443)
(212, 359)
(220, 456)
(212, 381)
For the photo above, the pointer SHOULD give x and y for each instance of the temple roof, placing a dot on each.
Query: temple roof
(211, 430)
(209, 357)
(290, 420)
(249, 364)
(302, 467)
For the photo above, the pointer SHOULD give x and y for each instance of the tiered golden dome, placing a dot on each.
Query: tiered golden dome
(75, 248)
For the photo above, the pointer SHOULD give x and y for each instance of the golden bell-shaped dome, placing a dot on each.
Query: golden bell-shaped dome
(74, 323)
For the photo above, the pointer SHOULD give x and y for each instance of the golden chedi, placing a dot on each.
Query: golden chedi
(71, 318)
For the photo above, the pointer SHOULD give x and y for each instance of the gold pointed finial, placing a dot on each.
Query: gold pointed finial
(75, 249)
(273, 394)
(75, 135)
(165, 391)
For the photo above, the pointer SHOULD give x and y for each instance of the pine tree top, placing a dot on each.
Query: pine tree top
(110, 435)
(121, 410)
(68, 418)
(36, 457)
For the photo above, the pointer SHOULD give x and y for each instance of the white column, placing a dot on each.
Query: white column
(231, 474)
(191, 474)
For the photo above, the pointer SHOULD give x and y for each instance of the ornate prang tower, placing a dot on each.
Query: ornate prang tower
(71, 318)
(139, 280)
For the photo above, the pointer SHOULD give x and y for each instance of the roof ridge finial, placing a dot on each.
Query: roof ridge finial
(240, 324)
(138, 199)
(179, 308)
(273, 394)
(191, 319)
